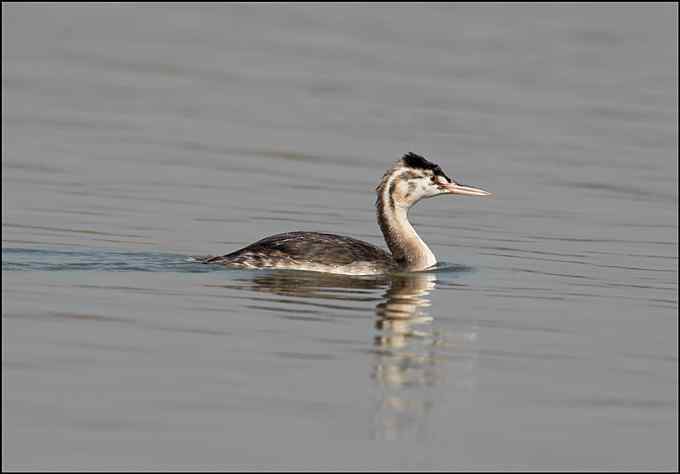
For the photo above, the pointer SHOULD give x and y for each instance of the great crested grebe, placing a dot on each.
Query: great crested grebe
(409, 180)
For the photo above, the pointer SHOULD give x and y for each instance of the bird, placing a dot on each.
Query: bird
(407, 181)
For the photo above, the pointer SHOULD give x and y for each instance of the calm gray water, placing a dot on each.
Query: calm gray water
(136, 137)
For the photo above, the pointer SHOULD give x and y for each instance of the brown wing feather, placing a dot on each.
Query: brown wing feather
(313, 247)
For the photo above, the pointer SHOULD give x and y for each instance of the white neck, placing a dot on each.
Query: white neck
(407, 248)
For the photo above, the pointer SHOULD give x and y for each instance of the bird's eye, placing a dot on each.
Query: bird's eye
(433, 179)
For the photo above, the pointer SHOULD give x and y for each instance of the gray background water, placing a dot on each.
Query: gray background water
(134, 137)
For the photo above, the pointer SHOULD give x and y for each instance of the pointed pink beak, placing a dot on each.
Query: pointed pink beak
(455, 188)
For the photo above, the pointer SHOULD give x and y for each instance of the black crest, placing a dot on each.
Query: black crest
(418, 162)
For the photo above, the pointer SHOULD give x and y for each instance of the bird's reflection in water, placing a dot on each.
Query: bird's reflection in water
(409, 357)
(404, 357)
(412, 358)
(311, 284)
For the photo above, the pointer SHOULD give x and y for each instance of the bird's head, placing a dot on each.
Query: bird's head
(413, 178)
